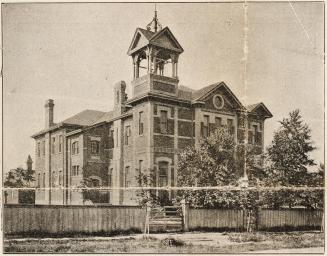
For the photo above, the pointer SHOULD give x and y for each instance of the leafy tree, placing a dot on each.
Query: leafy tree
(211, 163)
(147, 196)
(19, 178)
(289, 152)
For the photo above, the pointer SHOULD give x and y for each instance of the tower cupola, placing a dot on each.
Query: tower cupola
(155, 52)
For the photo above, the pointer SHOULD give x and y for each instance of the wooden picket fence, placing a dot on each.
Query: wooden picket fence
(20, 219)
(295, 219)
(265, 219)
(71, 219)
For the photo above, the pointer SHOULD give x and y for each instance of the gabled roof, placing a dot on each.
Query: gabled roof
(205, 91)
(252, 109)
(147, 37)
(177, 47)
(84, 118)
(104, 118)
(147, 33)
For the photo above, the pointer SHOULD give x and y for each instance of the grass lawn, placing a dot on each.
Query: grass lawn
(193, 242)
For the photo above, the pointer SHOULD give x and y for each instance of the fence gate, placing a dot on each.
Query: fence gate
(166, 219)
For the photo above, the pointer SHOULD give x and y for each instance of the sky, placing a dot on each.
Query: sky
(75, 52)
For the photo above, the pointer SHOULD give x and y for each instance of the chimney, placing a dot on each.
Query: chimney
(48, 113)
(29, 163)
(120, 97)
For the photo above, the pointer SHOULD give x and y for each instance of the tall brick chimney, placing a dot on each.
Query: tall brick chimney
(49, 113)
(120, 97)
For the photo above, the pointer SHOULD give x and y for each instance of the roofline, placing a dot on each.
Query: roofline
(74, 132)
(157, 95)
(53, 128)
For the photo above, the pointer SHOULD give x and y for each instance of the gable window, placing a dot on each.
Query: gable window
(60, 143)
(257, 135)
(230, 126)
(75, 148)
(95, 147)
(127, 134)
(141, 124)
(205, 126)
(218, 122)
(163, 121)
(38, 149)
(53, 145)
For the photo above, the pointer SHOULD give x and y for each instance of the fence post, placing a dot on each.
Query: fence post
(185, 210)
(147, 218)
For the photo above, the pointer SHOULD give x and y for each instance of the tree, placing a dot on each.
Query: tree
(19, 178)
(211, 163)
(289, 152)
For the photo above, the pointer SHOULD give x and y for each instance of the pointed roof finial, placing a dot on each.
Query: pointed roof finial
(154, 25)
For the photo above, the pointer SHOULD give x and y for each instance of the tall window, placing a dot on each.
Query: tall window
(110, 177)
(230, 126)
(163, 182)
(117, 137)
(38, 149)
(60, 143)
(39, 180)
(95, 147)
(43, 181)
(75, 148)
(218, 122)
(53, 145)
(127, 177)
(60, 178)
(257, 135)
(127, 134)
(205, 126)
(43, 147)
(163, 174)
(111, 139)
(53, 179)
(163, 121)
(141, 124)
(75, 170)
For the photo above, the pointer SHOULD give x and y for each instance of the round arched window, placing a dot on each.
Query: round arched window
(218, 101)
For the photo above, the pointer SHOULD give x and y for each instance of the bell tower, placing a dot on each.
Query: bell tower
(155, 52)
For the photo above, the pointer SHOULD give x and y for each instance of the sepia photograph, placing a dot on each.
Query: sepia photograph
(153, 127)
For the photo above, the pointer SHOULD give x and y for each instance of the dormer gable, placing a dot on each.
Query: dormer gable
(259, 109)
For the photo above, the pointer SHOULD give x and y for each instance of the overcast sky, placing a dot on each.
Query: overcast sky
(74, 53)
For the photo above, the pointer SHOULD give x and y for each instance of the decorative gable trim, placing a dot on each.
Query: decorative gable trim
(263, 106)
(214, 88)
(138, 35)
(177, 47)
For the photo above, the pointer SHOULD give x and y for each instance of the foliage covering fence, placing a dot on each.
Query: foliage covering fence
(72, 219)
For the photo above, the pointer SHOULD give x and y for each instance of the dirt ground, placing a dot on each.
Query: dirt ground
(191, 242)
